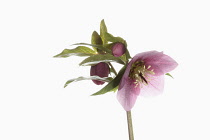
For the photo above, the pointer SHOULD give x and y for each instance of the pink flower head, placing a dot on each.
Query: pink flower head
(101, 69)
(144, 76)
(118, 49)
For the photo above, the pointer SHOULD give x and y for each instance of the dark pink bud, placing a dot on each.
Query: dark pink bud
(102, 70)
(118, 49)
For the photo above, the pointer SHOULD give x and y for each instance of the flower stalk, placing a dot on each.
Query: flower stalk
(130, 126)
(142, 75)
(113, 69)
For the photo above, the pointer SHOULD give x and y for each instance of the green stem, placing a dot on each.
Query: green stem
(113, 68)
(130, 126)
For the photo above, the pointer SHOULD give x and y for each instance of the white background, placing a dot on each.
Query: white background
(35, 106)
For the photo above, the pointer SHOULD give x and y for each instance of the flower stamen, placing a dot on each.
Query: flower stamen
(142, 78)
(140, 74)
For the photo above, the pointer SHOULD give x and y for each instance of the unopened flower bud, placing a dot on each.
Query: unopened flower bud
(102, 70)
(118, 49)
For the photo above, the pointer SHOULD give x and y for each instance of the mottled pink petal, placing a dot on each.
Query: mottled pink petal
(127, 93)
(144, 55)
(154, 61)
(155, 86)
(160, 63)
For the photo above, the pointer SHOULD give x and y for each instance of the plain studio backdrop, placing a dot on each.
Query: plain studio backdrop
(35, 106)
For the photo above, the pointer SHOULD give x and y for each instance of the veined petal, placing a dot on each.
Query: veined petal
(127, 93)
(154, 87)
(148, 69)
(158, 62)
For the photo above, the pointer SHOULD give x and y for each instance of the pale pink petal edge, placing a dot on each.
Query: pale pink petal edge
(128, 94)
(155, 86)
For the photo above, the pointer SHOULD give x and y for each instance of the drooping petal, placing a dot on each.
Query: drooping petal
(127, 93)
(154, 87)
(158, 62)
(161, 63)
(153, 84)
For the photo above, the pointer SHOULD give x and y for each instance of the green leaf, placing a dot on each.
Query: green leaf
(112, 69)
(111, 86)
(168, 74)
(103, 30)
(114, 89)
(104, 79)
(96, 39)
(101, 47)
(127, 55)
(109, 46)
(123, 58)
(95, 59)
(113, 39)
(79, 51)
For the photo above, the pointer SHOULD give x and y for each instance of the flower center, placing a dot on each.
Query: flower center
(140, 73)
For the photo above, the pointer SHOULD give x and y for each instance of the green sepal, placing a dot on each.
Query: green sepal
(111, 86)
(103, 30)
(95, 59)
(168, 74)
(78, 51)
(104, 79)
(109, 46)
(113, 39)
(127, 54)
(123, 58)
(100, 47)
(96, 40)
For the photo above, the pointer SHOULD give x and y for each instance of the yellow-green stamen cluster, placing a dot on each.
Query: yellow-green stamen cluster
(139, 73)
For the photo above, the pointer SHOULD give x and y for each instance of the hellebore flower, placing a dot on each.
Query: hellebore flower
(101, 69)
(144, 76)
(118, 49)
